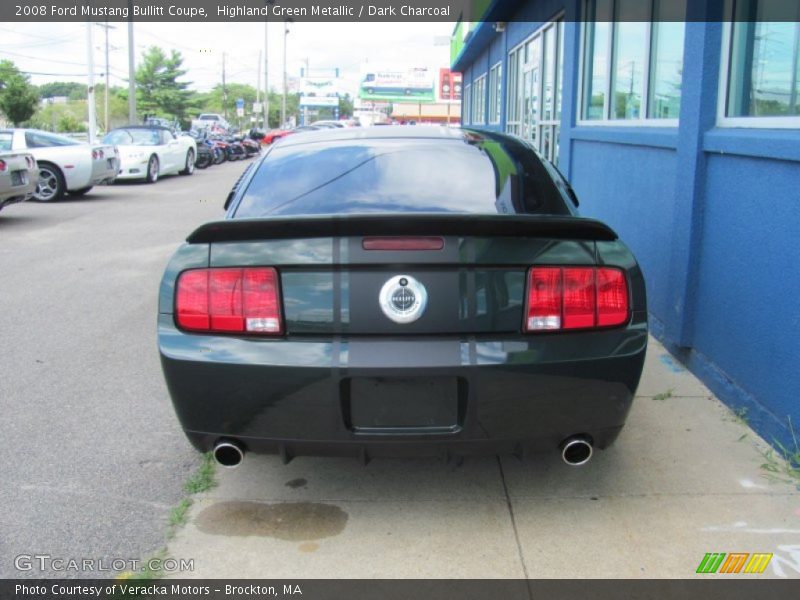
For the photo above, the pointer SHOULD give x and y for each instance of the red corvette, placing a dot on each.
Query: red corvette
(275, 134)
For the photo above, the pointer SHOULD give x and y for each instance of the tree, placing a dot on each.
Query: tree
(68, 89)
(157, 87)
(18, 98)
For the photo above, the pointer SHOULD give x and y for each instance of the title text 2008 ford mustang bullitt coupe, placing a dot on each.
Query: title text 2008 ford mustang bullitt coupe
(402, 291)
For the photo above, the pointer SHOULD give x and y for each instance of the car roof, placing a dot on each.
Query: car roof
(398, 132)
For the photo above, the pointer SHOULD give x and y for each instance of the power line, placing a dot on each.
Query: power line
(52, 60)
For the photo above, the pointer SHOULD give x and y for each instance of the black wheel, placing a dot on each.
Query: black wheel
(203, 160)
(152, 169)
(79, 192)
(219, 156)
(51, 185)
(189, 168)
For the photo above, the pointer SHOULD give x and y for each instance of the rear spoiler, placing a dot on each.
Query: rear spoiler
(558, 227)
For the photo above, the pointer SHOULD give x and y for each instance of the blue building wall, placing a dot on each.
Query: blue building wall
(710, 212)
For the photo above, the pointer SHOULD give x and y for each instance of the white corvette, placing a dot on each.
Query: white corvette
(148, 152)
(65, 165)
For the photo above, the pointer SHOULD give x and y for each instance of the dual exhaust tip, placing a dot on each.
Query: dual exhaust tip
(575, 451)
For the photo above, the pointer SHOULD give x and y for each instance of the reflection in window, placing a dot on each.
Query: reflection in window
(596, 63)
(764, 74)
(666, 70)
(479, 100)
(632, 68)
(495, 89)
(398, 175)
(467, 112)
(628, 74)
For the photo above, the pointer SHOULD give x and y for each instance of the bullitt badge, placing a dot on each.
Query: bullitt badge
(403, 299)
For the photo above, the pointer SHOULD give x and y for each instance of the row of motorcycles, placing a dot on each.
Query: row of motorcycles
(215, 148)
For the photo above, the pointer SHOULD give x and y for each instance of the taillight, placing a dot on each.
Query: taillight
(562, 298)
(94, 154)
(97, 154)
(232, 300)
(2, 166)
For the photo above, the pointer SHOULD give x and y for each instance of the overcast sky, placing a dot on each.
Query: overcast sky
(59, 49)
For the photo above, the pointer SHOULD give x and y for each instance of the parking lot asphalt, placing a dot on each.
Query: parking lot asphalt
(684, 479)
(93, 457)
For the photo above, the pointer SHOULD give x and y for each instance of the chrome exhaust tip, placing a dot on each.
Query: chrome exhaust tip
(576, 451)
(228, 454)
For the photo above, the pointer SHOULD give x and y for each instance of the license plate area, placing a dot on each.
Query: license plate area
(404, 405)
(19, 178)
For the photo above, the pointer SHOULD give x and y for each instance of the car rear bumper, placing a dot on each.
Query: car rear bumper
(511, 394)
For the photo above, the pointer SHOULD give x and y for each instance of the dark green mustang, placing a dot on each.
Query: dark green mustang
(402, 291)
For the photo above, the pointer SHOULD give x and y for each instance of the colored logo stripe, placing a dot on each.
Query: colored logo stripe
(758, 562)
(735, 562)
(711, 562)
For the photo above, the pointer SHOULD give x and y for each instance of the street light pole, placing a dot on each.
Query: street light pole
(106, 26)
(285, 86)
(266, 68)
(131, 69)
(90, 94)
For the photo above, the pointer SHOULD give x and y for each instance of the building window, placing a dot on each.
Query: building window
(479, 100)
(763, 77)
(467, 112)
(534, 83)
(495, 93)
(632, 66)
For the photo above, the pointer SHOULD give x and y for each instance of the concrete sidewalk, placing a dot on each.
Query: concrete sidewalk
(685, 478)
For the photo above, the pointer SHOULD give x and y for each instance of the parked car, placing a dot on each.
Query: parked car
(402, 291)
(65, 165)
(148, 152)
(19, 175)
(275, 134)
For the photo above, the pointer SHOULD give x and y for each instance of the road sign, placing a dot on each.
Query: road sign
(240, 103)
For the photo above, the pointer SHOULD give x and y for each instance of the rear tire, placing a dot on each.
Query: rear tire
(51, 186)
(189, 169)
(152, 169)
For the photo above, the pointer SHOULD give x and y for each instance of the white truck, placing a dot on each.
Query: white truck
(210, 120)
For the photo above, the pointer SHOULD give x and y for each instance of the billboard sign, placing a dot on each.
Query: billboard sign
(319, 91)
(411, 85)
(449, 85)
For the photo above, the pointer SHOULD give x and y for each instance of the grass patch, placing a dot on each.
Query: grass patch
(203, 479)
(664, 395)
(179, 514)
(787, 468)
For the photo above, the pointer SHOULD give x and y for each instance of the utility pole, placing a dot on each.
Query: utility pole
(90, 98)
(258, 88)
(305, 108)
(224, 90)
(106, 26)
(131, 69)
(266, 80)
(285, 84)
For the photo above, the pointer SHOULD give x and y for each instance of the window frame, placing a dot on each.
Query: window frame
(479, 107)
(606, 121)
(495, 104)
(467, 108)
(774, 122)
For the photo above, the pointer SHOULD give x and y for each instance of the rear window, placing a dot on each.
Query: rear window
(402, 175)
(6, 138)
(39, 139)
